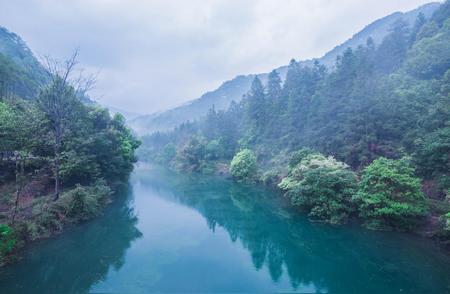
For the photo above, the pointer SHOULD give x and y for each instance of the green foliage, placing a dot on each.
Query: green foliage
(433, 157)
(243, 167)
(168, 153)
(322, 186)
(8, 241)
(430, 57)
(75, 205)
(52, 135)
(83, 203)
(446, 222)
(428, 30)
(389, 195)
(191, 156)
(16, 79)
(299, 155)
(7, 123)
(213, 150)
(385, 99)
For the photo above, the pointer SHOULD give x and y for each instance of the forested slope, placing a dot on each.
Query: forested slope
(375, 127)
(233, 90)
(61, 159)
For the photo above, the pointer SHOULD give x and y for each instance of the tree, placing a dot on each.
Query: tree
(418, 24)
(192, 154)
(430, 57)
(59, 102)
(168, 153)
(243, 167)
(433, 158)
(392, 51)
(273, 86)
(21, 129)
(389, 195)
(7, 242)
(321, 185)
(256, 109)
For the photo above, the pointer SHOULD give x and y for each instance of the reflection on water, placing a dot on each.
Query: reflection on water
(77, 259)
(190, 234)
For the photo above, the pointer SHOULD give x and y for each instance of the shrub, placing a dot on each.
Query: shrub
(8, 241)
(78, 204)
(446, 222)
(389, 195)
(321, 185)
(299, 155)
(83, 203)
(243, 167)
(191, 156)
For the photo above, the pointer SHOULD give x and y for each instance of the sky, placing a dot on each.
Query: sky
(151, 55)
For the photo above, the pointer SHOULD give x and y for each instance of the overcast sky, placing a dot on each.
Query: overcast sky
(156, 54)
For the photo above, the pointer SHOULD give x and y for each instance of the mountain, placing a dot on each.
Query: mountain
(234, 89)
(21, 74)
(128, 115)
(20, 68)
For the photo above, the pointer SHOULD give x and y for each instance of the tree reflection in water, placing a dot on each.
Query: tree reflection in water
(82, 256)
(329, 258)
(284, 247)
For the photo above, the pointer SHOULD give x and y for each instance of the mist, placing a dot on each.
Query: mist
(153, 55)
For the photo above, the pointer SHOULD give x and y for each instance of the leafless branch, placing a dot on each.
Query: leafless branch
(68, 73)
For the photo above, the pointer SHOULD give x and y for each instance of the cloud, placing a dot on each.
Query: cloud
(156, 54)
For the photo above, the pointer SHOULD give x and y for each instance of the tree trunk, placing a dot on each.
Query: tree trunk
(19, 184)
(57, 163)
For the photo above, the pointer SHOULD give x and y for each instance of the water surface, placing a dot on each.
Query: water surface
(174, 233)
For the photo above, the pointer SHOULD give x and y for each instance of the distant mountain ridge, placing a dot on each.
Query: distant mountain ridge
(234, 89)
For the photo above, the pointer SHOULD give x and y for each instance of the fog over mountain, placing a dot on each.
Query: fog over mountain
(235, 89)
(201, 44)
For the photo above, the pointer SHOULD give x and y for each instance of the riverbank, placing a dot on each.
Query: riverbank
(173, 232)
(432, 226)
(36, 215)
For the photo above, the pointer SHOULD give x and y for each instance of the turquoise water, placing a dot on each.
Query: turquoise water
(174, 233)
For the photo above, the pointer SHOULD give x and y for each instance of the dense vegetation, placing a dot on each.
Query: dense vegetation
(60, 159)
(243, 166)
(380, 117)
(389, 194)
(321, 185)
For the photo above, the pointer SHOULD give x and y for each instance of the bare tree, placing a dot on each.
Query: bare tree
(59, 100)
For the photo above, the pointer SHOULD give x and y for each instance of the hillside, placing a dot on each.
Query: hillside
(61, 158)
(235, 89)
(21, 73)
(368, 138)
(24, 72)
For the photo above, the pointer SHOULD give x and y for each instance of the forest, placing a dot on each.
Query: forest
(62, 157)
(367, 139)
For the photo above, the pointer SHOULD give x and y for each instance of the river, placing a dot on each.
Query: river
(174, 233)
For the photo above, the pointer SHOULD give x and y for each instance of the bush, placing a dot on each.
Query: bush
(321, 185)
(243, 167)
(8, 241)
(446, 222)
(433, 157)
(78, 204)
(83, 203)
(389, 195)
(299, 155)
(191, 156)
